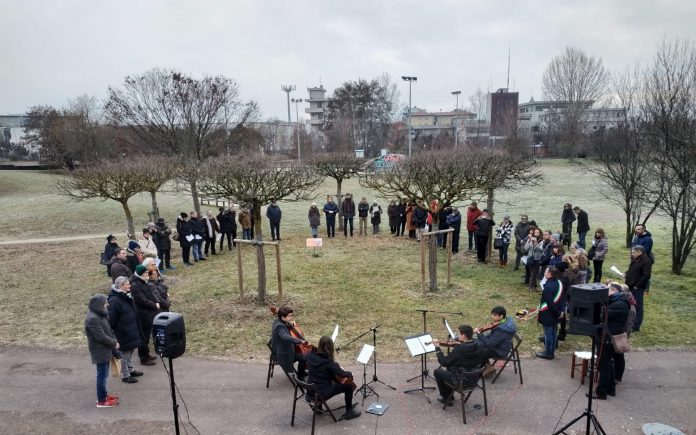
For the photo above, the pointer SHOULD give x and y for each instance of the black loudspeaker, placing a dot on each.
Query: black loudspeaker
(586, 308)
(169, 335)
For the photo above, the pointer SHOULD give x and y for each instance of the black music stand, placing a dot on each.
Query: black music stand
(374, 360)
(424, 362)
(417, 347)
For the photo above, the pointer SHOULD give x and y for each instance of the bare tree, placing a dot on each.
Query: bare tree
(622, 156)
(339, 166)
(257, 180)
(108, 179)
(155, 172)
(670, 112)
(185, 115)
(577, 81)
(478, 102)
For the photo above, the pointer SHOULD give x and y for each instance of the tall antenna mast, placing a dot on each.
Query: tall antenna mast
(508, 72)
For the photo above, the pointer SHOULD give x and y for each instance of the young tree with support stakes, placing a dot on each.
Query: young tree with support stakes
(118, 180)
(257, 180)
(160, 169)
(339, 166)
(186, 116)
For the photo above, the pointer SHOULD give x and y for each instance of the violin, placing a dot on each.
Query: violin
(303, 348)
(488, 327)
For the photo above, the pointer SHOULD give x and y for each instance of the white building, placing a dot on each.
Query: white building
(317, 106)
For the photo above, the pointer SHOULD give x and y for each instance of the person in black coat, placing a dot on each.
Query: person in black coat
(185, 232)
(323, 371)
(228, 227)
(442, 224)
(401, 208)
(454, 221)
(211, 228)
(610, 364)
(420, 219)
(148, 307)
(484, 227)
(120, 265)
(110, 250)
(198, 232)
(164, 244)
(567, 219)
(550, 311)
(283, 343)
(637, 278)
(274, 215)
(583, 225)
(469, 355)
(124, 321)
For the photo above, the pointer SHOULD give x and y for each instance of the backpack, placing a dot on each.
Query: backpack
(103, 260)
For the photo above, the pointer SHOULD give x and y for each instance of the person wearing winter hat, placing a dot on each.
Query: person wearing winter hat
(148, 307)
(376, 216)
(314, 219)
(363, 210)
(123, 318)
(133, 254)
(164, 244)
(110, 249)
(101, 343)
(147, 244)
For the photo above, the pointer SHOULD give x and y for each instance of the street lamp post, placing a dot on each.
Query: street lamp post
(287, 89)
(297, 117)
(410, 81)
(456, 94)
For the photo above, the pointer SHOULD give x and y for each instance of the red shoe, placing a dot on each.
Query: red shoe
(107, 403)
(111, 397)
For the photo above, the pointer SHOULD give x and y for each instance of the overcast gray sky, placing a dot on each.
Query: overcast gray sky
(59, 49)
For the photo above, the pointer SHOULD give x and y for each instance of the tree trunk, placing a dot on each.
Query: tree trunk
(129, 220)
(489, 205)
(339, 198)
(260, 255)
(155, 210)
(432, 263)
(629, 230)
(194, 195)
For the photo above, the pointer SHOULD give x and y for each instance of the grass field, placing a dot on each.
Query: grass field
(354, 282)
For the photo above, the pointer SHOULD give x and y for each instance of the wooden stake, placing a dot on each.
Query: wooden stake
(422, 252)
(280, 280)
(239, 271)
(449, 258)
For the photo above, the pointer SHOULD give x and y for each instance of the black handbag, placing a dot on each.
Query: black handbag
(497, 243)
(592, 252)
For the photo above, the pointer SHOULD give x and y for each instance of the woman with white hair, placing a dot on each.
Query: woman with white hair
(376, 219)
(123, 318)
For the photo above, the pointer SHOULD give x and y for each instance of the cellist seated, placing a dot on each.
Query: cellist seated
(283, 343)
(323, 372)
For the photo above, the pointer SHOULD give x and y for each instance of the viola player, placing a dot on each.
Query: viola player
(498, 339)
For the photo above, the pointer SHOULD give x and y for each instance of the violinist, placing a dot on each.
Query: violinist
(498, 341)
(468, 355)
(283, 343)
(324, 371)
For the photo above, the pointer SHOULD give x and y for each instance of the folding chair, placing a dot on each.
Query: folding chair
(308, 393)
(513, 356)
(271, 367)
(468, 382)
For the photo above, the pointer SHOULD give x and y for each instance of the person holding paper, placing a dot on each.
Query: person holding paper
(469, 355)
(185, 232)
(323, 371)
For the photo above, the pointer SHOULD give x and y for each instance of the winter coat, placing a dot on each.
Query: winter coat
(133, 259)
(226, 221)
(639, 272)
(583, 222)
(184, 229)
(376, 212)
(617, 313)
(469, 356)
(521, 230)
(601, 248)
(420, 217)
(363, 208)
(124, 320)
(100, 338)
(283, 344)
(160, 291)
(499, 340)
(504, 231)
(322, 371)
(145, 300)
(410, 226)
(314, 216)
(455, 221)
(330, 211)
(551, 301)
(197, 227)
(645, 241)
(120, 268)
(546, 253)
(484, 226)
(401, 210)
(442, 218)
(110, 249)
(568, 216)
(209, 233)
(148, 247)
(274, 214)
(163, 241)
(348, 207)
(393, 213)
(471, 215)
(245, 219)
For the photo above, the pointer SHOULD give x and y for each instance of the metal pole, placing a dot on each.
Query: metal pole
(297, 117)
(288, 94)
(409, 117)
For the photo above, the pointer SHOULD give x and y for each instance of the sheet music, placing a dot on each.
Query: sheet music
(416, 344)
(449, 330)
(617, 271)
(365, 354)
(335, 334)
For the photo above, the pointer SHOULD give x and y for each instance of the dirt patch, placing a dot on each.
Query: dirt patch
(58, 423)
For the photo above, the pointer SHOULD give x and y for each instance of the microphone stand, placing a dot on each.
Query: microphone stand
(424, 362)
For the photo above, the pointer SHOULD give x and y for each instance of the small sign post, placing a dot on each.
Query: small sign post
(314, 243)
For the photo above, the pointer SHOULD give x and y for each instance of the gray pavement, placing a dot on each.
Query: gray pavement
(52, 391)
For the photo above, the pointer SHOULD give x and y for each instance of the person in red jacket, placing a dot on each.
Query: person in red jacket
(472, 213)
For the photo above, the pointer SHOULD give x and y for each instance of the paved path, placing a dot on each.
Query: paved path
(47, 391)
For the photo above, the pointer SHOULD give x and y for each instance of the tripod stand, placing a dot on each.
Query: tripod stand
(588, 414)
(172, 385)
(424, 361)
(365, 388)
